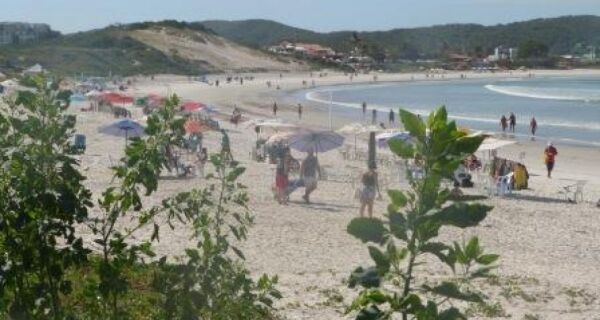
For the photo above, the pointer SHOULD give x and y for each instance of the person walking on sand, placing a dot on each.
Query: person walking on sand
(226, 155)
(512, 121)
(202, 159)
(369, 190)
(275, 109)
(392, 117)
(310, 171)
(503, 123)
(282, 177)
(550, 157)
(533, 126)
(374, 116)
(299, 111)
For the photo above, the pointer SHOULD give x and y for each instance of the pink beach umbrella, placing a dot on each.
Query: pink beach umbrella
(191, 106)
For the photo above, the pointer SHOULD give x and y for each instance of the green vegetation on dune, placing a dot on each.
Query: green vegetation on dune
(96, 52)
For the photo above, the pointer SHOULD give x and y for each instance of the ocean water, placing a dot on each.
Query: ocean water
(566, 109)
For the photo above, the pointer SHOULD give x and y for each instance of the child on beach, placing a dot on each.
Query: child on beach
(370, 189)
(549, 158)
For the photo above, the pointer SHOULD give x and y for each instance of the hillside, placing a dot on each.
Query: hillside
(560, 34)
(147, 48)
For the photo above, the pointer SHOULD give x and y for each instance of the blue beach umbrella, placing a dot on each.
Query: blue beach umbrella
(124, 128)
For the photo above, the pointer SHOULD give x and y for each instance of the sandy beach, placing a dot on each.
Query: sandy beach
(549, 248)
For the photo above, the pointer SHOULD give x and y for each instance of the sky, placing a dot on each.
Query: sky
(320, 15)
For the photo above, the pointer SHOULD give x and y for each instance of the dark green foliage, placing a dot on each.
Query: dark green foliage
(415, 218)
(47, 272)
(533, 49)
(42, 198)
(559, 34)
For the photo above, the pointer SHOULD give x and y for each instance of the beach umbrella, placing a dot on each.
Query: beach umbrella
(93, 94)
(194, 126)
(280, 137)
(358, 129)
(383, 138)
(191, 106)
(123, 128)
(317, 141)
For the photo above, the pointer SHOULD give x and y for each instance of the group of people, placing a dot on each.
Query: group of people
(299, 109)
(309, 172)
(510, 123)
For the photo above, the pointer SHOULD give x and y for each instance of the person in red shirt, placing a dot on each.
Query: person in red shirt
(549, 157)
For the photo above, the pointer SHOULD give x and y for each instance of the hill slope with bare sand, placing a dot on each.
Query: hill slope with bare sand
(144, 48)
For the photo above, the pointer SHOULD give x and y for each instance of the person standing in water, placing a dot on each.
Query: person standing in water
(533, 126)
(275, 109)
(512, 120)
(550, 157)
(364, 109)
(392, 118)
(299, 111)
(503, 123)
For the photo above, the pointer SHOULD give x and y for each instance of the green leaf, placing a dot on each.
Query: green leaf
(472, 249)
(367, 229)
(450, 290)
(462, 215)
(381, 260)
(403, 149)
(437, 249)
(398, 198)
(367, 278)
(413, 124)
(398, 226)
(428, 313)
(370, 313)
(487, 259)
(451, 314)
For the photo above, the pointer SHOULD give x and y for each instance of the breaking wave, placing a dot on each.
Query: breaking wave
(584, 95)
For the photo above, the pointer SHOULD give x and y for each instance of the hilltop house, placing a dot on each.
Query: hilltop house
(503, 54)
(34, 70)
(308, 49)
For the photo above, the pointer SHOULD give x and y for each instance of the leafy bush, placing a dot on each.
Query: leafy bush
(48, 272)
(414, 220)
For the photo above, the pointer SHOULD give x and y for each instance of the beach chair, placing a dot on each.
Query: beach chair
(504, 184)
(574, 192)
(79, 144)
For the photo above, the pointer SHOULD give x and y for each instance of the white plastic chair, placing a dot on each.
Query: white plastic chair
(574, 192)
(504, 184)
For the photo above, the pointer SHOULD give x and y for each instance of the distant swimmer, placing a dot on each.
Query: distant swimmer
(503, 123)
(512, 120)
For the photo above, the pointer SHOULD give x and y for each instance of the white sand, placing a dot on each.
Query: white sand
(547, 246)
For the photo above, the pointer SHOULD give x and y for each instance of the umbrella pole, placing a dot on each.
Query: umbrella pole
(126, 134)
